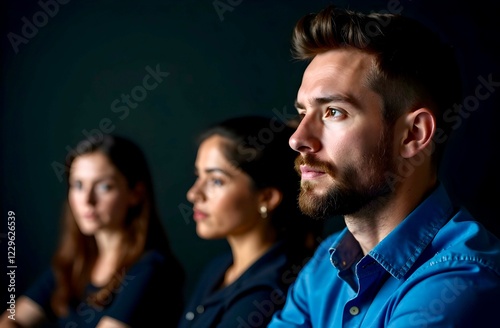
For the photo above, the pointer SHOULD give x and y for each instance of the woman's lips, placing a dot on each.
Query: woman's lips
(90, 216)
(199, 215)
(308, 172)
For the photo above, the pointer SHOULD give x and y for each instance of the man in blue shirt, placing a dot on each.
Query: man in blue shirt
(373, 127)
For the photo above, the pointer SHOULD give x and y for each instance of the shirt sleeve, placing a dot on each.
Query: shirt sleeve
(465, 297)
(296, 311)
(41, 291)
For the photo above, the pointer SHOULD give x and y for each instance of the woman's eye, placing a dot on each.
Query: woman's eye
(216, 182)
(76, 185)
(104, 187)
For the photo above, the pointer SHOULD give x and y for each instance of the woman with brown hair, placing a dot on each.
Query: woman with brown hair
(246, 193)
(114, 257)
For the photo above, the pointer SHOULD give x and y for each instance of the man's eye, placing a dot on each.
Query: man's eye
(334, 112)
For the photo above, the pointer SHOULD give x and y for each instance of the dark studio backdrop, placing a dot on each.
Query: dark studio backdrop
(68, 66)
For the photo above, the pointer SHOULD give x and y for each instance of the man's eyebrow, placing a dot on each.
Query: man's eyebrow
(325, 100)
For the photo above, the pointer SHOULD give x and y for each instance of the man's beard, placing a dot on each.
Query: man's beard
(351, 194)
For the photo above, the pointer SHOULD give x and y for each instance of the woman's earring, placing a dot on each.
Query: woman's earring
(263, 211)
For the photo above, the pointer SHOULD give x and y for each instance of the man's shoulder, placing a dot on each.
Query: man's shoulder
(464, 242)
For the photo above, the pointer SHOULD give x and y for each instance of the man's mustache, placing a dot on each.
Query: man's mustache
(314, 163)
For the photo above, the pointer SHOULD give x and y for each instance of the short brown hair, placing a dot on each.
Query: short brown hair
(413, 67)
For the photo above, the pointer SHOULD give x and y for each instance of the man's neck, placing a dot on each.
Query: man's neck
(370, 225)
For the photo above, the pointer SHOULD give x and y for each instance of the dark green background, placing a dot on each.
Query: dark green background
(66, 77)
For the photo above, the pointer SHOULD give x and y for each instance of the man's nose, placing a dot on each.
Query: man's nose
(305, 139)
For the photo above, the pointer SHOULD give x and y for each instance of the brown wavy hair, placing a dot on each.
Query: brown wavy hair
(413, 66)
(76, 254)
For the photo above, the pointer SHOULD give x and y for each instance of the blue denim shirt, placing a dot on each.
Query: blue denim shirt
(438, 268)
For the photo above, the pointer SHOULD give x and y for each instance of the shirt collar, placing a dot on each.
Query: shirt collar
(397, 252)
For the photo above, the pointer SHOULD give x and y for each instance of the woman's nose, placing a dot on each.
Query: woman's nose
(90, 197)
(194, 193)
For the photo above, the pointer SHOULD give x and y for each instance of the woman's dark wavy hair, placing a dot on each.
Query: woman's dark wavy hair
(258, 146)
(76, 254)
(413, 67)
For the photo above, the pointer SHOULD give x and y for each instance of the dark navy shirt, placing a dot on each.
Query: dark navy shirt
(438, 268)
(249, 301)
(139, 301)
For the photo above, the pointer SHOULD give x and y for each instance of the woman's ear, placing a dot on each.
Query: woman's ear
(137, 194)
(270, 198)
(419, 128)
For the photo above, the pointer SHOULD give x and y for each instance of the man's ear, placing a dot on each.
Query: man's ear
(419, 128)
(270, 198)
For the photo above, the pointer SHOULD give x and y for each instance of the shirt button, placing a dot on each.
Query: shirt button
(189, 316)
(200, 309)
(354, 310)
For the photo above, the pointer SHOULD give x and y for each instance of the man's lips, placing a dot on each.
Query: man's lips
(308, 172)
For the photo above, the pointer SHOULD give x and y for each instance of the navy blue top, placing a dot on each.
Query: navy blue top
(437, 268)
(139, 301)
(249, 301)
